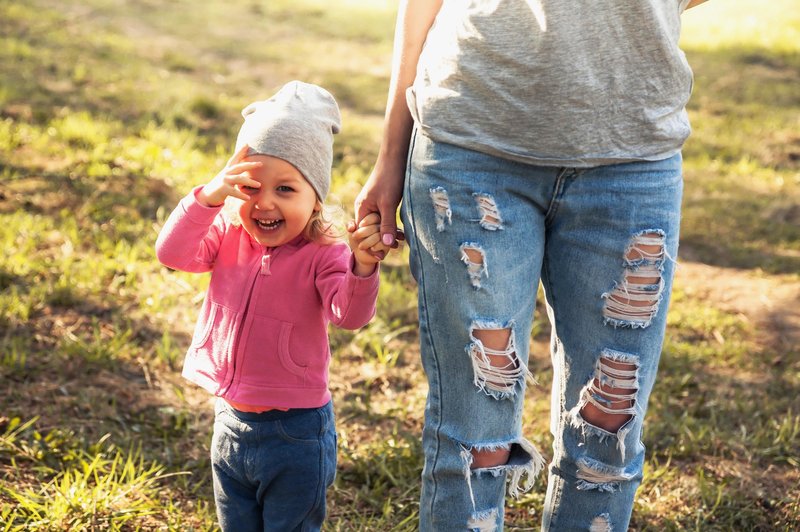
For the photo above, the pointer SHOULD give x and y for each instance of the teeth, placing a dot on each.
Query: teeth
(268, 224)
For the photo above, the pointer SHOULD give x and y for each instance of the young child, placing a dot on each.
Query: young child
(279, 276)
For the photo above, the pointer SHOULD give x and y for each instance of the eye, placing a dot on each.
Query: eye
(285, 188)
(249, 190)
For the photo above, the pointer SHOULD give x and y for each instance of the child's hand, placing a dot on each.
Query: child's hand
(229, 181)
(361, 239)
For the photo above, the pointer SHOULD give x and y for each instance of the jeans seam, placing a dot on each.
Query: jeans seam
(435, 361)
(557, 491)
(320, 476)
(558, 188)
(557, 494)
(549, 290)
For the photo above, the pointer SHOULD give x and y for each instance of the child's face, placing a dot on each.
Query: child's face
(279, 211)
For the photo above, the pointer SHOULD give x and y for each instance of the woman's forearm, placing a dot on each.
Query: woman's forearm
(414, 19)
(383, 189)
(693, 3)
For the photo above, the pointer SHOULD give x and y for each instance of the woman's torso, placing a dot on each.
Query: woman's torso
(554, 82)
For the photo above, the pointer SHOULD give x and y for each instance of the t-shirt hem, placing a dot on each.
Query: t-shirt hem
(589, 161)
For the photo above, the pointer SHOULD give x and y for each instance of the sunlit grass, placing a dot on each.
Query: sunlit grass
(735, 24)
(110, 112)
(92, 487)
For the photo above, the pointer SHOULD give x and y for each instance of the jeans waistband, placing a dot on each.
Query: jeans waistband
(269, 415)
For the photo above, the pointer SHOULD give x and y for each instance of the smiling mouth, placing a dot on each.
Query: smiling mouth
(268, 225)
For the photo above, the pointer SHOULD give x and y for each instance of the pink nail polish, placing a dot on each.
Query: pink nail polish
(388, 239)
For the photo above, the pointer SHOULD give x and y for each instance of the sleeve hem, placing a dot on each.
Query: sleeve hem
(362, 285)
(195, 211)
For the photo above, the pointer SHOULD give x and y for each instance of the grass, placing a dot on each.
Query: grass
(110, 112)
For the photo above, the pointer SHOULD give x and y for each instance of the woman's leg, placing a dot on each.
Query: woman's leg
(611, 243)
(475, 228)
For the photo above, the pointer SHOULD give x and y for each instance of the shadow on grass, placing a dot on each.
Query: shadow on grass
(85, 361)
(745, 231)
(723, 431)
(742, 198)
(86, 370)
(121, 197)
(70, 339)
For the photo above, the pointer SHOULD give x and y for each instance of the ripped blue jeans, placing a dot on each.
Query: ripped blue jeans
(483, 232)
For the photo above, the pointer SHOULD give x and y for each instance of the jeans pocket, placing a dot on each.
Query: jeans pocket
(304, 428)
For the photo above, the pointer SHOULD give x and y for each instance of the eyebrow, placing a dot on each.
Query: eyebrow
(289, 178)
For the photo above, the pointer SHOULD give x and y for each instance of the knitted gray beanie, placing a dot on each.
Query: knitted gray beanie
(297, 125)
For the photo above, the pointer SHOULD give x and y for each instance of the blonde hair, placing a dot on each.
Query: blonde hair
(322, 228)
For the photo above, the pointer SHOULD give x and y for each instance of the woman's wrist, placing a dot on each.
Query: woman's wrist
(391, 166)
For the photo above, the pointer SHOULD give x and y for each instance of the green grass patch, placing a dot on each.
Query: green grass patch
(110, 112)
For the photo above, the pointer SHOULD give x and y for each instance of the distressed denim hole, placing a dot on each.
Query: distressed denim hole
(490, 215)
(485, 521)
(595, 475)
(496, 367)
(600, 523)
(633, 302)
(475, 259)
(441, 208)
(482, 458)
(610, 397)
(522, 464)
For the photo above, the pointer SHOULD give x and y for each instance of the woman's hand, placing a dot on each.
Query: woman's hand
(381, 195)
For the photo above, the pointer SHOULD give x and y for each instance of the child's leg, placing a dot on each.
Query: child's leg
(295, 499)
(271, 470)
(234, 491)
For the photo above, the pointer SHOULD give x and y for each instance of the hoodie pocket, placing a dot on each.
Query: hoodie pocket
(283, 350)
(268, 358)
(203, 328)
(210, 354)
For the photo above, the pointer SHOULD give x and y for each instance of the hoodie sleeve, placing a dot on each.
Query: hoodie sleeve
(349, 300)
(190, 239)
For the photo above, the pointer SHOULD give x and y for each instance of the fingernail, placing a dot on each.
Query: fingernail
(388, 239)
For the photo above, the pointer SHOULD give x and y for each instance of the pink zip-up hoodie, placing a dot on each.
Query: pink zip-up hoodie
(261, 338)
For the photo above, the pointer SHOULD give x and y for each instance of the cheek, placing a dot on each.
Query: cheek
(244, 210)
(312, 211)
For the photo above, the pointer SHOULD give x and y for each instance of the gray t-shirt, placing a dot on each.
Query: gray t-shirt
(556, 82)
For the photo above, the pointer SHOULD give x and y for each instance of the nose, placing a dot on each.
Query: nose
(264, 201)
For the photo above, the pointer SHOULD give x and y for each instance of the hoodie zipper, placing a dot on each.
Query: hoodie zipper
(263, 270)
(265, 263)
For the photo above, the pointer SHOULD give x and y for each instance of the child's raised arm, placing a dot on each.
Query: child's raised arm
(191, 235)
(230, 181)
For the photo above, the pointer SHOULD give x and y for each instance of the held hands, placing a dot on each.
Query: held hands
(381, 194)
(362, 238)
(229, 181)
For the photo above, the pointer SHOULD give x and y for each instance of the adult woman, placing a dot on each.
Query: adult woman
(537, 140)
